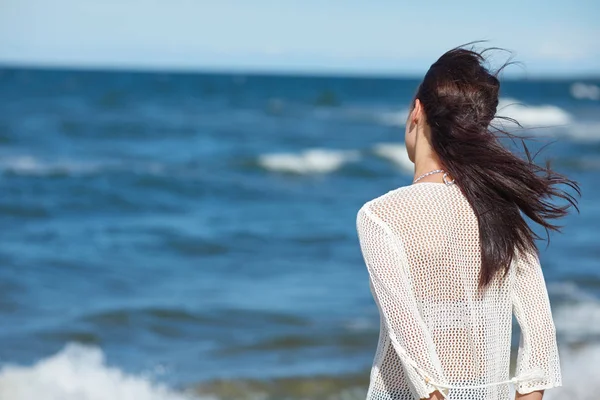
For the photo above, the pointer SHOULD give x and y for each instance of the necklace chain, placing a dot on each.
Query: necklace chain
(435, 171)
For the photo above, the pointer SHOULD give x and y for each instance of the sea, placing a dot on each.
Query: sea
(190, 236)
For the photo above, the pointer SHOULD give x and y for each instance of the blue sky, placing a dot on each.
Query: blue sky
(325, 36)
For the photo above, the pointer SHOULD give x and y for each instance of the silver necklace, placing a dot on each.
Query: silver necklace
(435, 171)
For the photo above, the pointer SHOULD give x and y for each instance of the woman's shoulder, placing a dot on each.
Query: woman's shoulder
(403, 195)
(382, 207)
(405, 207)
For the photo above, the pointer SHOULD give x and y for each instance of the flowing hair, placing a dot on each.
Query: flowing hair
(459, 96)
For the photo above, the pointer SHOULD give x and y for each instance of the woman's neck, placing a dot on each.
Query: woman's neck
(426, 160)
(427, 164)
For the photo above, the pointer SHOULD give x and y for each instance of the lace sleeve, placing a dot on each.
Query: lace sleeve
(538, 350)
(387, 266)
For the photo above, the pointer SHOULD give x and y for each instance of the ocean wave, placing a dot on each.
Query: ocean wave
(161, 316)
(124, 316)
(312, 161)
(578, 365)
(532, 116)
(32, 166)
(396, 153)
(28, 165)
(577, 319)
(80, 373)
(583, 91)
(584, 132)
(349, 339)
(579, 322)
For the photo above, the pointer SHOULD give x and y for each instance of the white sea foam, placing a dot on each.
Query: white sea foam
(28, 165)
(577, 321)
(584, 131)
(570, 291)
(583, 91)
(578, 318)
(533, 116)
(578, 326)
(396, 153)
(79, 373)
(580, 371)
(311, 161)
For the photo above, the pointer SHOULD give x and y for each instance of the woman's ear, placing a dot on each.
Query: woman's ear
(417, 112)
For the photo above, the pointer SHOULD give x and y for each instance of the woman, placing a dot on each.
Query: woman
(451, 257)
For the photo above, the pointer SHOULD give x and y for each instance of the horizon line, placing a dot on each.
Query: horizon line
(266, 71)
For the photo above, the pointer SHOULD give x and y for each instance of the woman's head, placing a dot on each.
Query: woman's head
(451, 115)
(456, 89)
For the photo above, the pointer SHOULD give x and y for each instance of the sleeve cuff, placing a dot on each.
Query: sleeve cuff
(524, 388)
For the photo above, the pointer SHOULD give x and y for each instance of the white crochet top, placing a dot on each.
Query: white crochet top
(438, 330)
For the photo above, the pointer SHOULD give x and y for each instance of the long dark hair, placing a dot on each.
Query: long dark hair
(459, 96)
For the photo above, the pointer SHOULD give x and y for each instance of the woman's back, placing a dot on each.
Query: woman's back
(439, 328)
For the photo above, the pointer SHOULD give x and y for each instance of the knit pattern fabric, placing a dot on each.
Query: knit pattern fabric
(439, 330)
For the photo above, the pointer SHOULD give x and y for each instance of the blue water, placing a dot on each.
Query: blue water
(176, 223)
